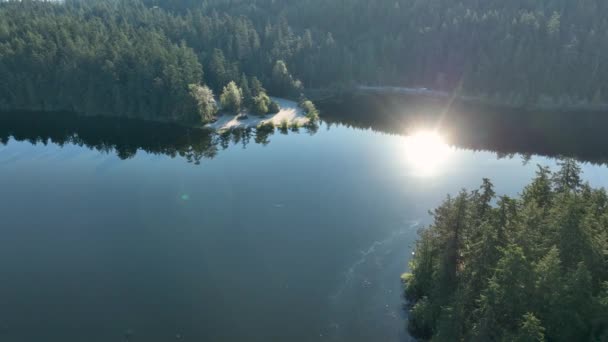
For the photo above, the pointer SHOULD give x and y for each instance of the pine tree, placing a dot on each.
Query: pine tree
(522, 269)
(567, 178)
(530, 330)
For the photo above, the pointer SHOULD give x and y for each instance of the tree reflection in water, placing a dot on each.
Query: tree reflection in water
(126, 137)
(506, 131)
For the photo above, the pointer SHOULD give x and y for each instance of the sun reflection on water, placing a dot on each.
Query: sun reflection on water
(426, 152)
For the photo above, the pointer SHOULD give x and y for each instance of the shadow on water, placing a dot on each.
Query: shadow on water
(126, 137)
(507, 131)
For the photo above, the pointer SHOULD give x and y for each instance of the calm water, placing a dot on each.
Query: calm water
(302, 238)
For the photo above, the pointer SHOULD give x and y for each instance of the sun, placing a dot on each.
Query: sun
(426, 152)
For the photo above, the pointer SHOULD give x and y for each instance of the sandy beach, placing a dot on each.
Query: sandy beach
(289, 112)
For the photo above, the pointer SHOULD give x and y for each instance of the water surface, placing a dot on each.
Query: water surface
(144, 236)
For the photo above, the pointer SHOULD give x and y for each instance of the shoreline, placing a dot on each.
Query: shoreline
(544, 103)
(289, 112)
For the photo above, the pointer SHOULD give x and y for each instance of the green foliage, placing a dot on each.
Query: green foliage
(256, 87)
(261, 104)
(283, 126)
(310, 110)
(219, 71)
(273, 107)
(231, 98)
(205, 101)
(247, 96)
(568, 176)
(124, 58)
(283, 84)
(137, 58)
(81, 57)
(519, 51)
(421, 319)
(521, 269)
(530, 330)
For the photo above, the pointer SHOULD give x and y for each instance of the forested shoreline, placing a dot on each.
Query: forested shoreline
(161, 59)
(531, 268)
(507, 131)
(122, 58)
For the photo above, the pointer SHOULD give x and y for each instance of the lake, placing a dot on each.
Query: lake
(119, 231)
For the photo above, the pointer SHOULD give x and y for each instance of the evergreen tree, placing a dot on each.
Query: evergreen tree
(283, 83)
(568, 177)
(530, 330)
(218, 75)
(247, 95)
(521, 269)
(256, 87)
(545, 52)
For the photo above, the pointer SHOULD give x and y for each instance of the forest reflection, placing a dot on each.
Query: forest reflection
(506, 131)
(126, 137)
(579, 135)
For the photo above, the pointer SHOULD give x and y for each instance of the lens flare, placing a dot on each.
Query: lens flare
(426, 152)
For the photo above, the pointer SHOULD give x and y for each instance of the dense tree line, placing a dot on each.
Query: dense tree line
(106, 57)
(532, 268)
(138, 58)
(519, 51)
(92, 60)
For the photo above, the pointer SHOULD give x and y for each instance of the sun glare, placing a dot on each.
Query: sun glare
(426, 152)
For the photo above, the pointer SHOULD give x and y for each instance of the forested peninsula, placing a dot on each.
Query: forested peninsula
(167, 60)
(531, 268)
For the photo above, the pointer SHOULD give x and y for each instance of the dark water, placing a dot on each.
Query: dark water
(115, 230)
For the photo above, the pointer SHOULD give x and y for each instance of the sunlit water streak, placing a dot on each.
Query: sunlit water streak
(426, 152)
